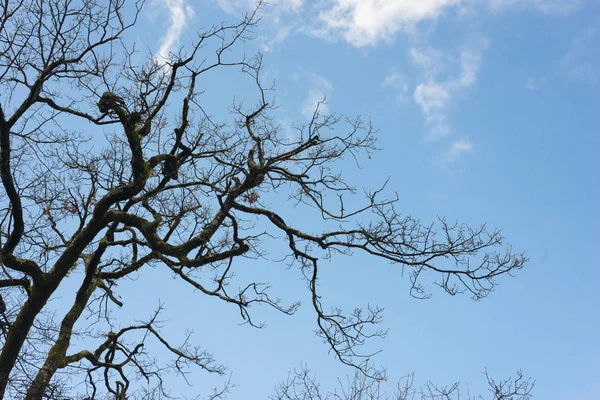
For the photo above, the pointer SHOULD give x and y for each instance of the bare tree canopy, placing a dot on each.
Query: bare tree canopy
(110, 166)
(303, 385)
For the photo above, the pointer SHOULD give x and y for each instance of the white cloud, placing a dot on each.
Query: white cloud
(580, 63)
(179, 13)
(434, 95)
(320, 89)
(470, 61)
(371, 22)
(368, 22)
(457, 149)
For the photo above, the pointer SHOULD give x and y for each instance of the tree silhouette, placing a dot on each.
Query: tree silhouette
(110, 167)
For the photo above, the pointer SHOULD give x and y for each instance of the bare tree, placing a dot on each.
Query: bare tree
(111, 166)
(301, 385)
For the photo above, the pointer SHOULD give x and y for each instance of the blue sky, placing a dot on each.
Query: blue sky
(487, 112)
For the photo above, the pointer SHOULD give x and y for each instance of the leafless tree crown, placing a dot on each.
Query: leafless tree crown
(110, 166)
(302, 385)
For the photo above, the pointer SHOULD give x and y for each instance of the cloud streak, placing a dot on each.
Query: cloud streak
(580, 63)
(320, 89)
(179, 13)
(399, 82)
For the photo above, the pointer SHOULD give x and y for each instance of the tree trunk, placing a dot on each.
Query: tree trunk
(18, 333)
(58, 352)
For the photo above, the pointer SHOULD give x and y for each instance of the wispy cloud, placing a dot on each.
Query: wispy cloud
(457, 149)
(582, 63)
(235, 6)
(545, 6)
(320, 89)
(371, 22)
(534, 83)
(179, 13)
(433, 99)
(368, 22)
(272, 7)
(399, 82)
(281, 18)
(428, 60)
(434, 95)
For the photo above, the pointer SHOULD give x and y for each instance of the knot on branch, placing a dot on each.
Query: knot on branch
(140, 127)
(252, 165)
(256, 175)
(169, 168)
(110, 102)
